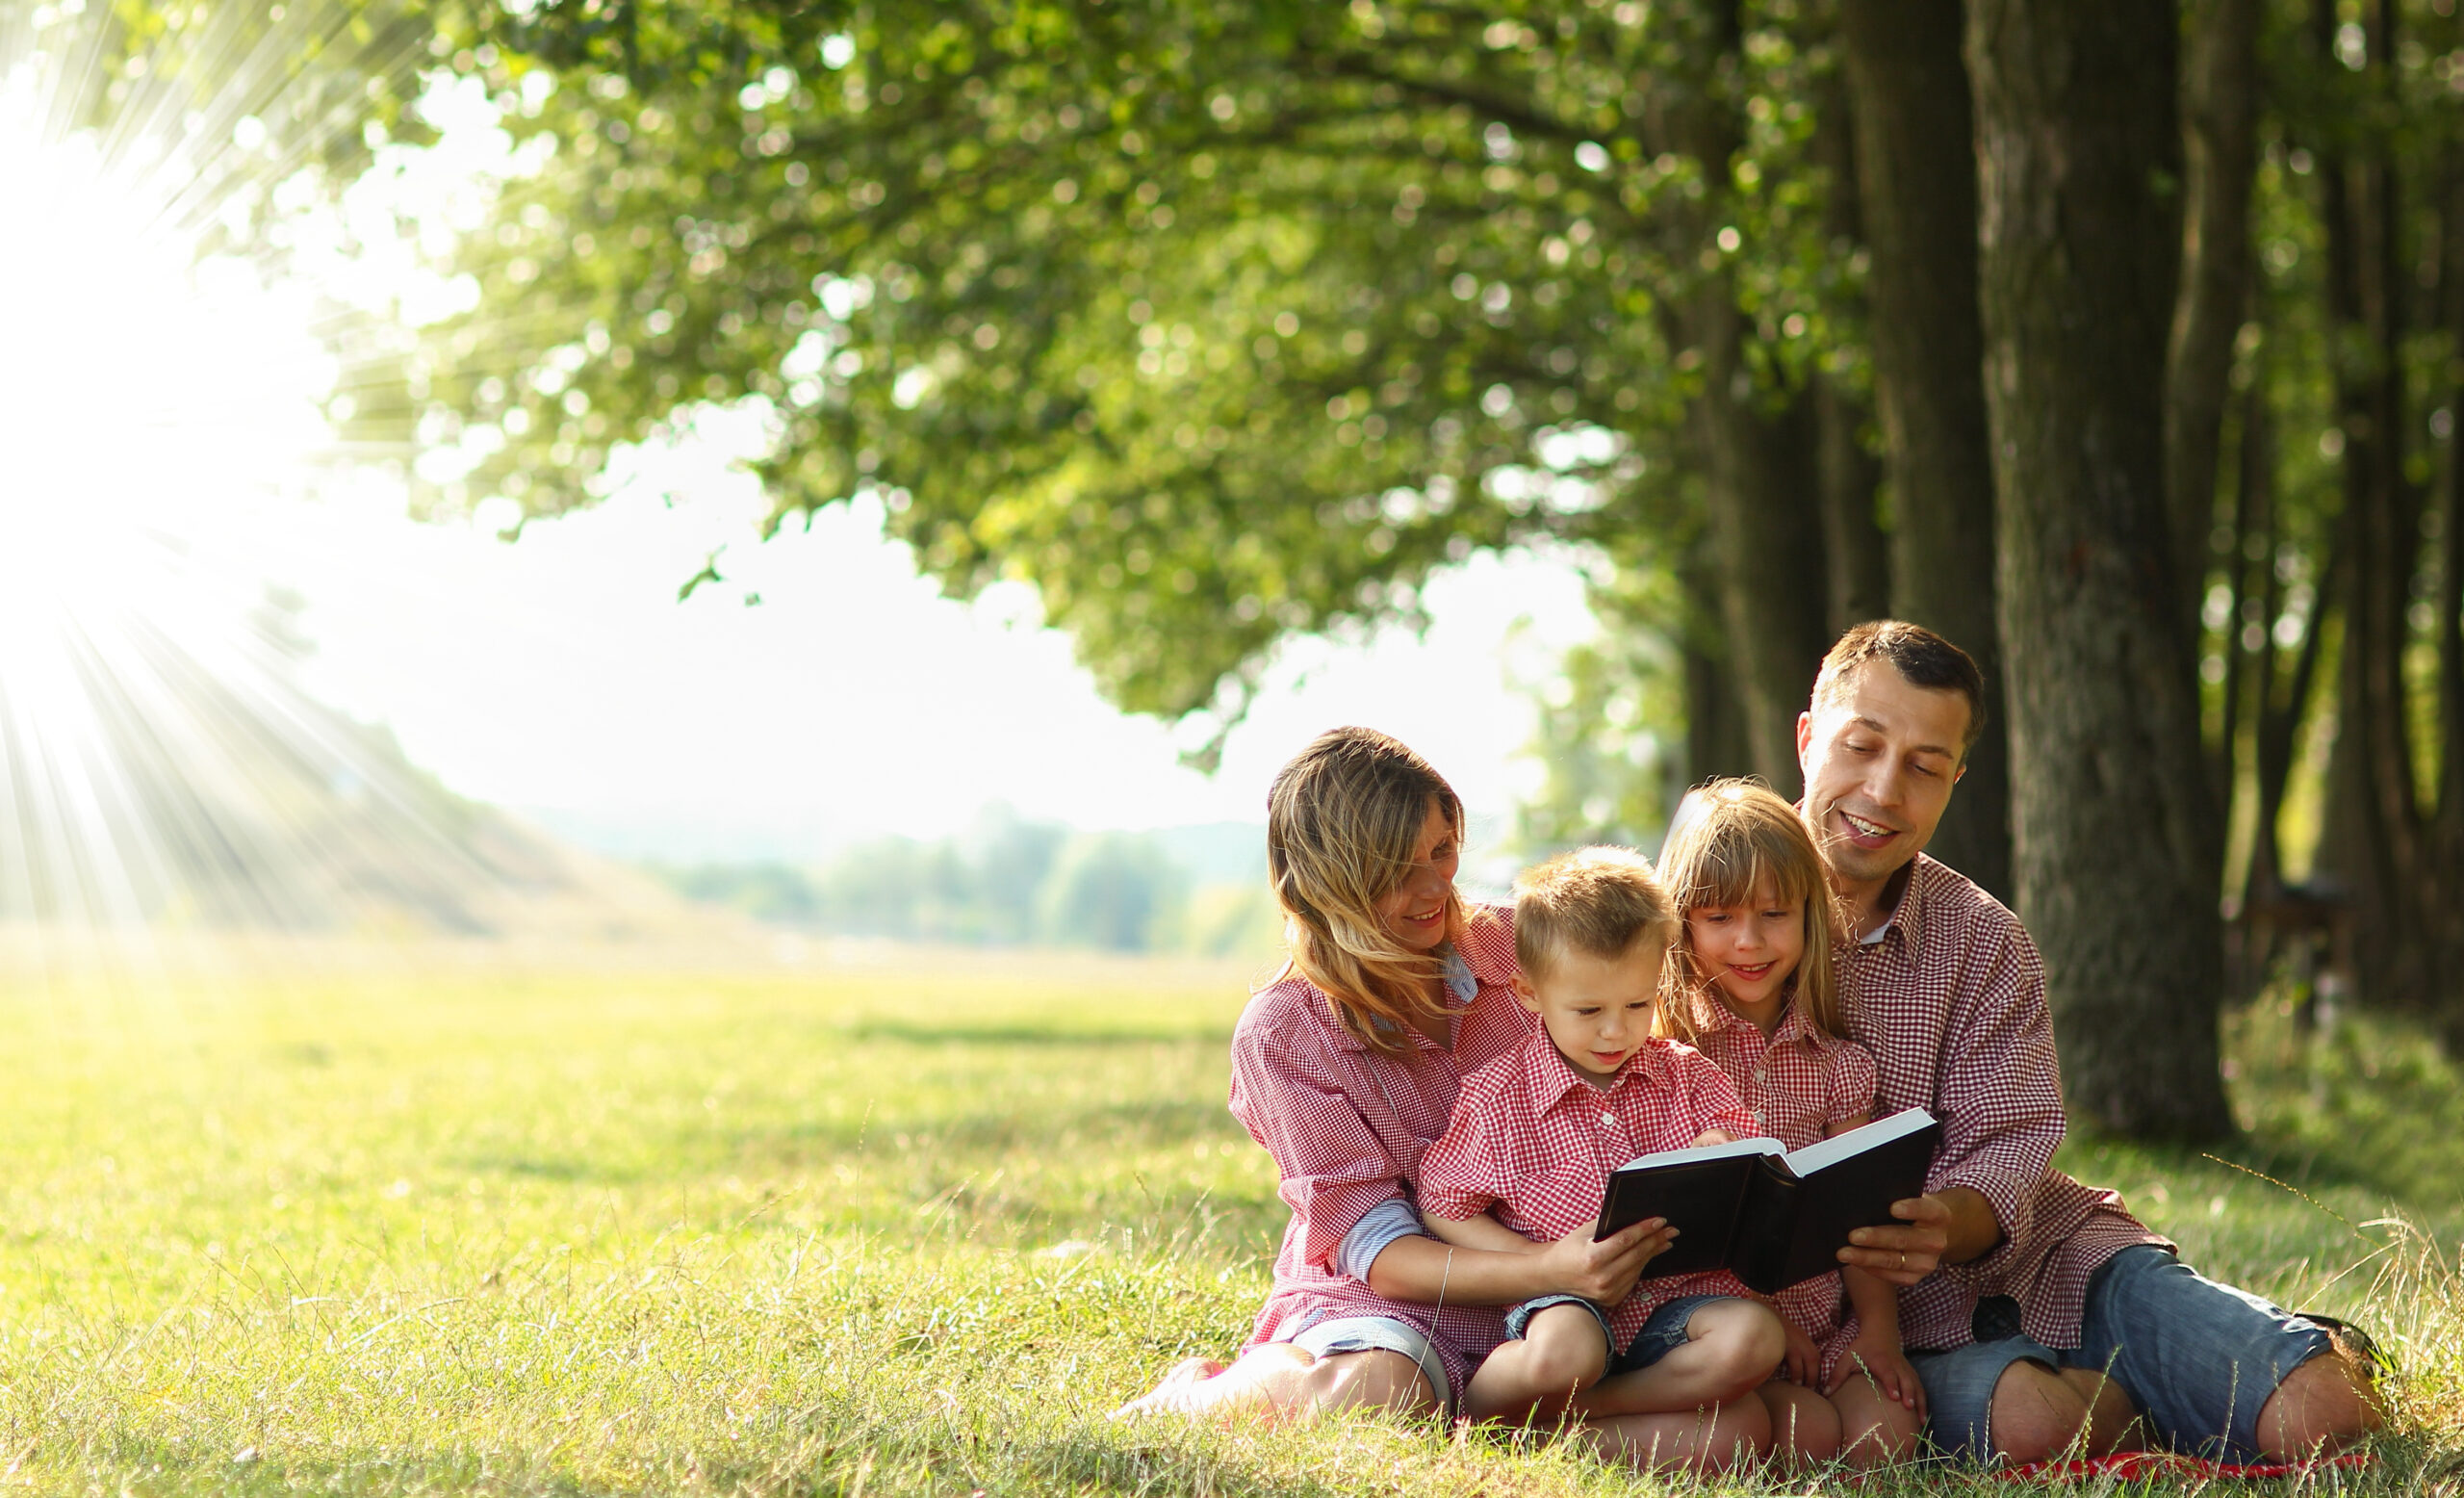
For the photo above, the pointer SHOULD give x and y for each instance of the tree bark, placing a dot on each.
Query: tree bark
(1917, 189)
(1854, 546)
(2219, 106)
(2078, 144)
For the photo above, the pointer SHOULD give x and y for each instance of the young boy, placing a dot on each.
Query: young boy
(1536, 1132)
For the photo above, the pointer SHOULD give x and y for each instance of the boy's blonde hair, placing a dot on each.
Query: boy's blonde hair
(1598, 901)
(1730, 841)
(1343, 822)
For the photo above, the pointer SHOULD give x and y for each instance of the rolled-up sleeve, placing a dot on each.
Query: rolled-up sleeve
(2002, 1092)
(1386, 1222)
(1334, 1169)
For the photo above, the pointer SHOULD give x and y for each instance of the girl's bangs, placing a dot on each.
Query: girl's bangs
(1736, 862)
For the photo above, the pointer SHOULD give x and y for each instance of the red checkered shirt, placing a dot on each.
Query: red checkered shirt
(1533, 1139)
(1348, 1126)
(1798, 1082)
(1950, 999)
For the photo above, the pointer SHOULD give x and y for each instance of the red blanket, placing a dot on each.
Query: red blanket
(2130, 1467)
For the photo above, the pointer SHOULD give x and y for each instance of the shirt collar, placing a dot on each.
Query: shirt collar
(1454, 974)
(1711, 1015)
(1908, 916)
(1552, 1077)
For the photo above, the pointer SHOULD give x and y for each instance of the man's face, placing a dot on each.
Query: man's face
(1880, 759)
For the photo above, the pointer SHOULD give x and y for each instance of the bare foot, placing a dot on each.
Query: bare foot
(1177, 1392)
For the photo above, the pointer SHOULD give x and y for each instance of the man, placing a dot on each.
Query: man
(2020, 1338)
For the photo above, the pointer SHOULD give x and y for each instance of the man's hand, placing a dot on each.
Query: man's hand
(1903, 1256)
(1603, 1273)
(1877, 1356)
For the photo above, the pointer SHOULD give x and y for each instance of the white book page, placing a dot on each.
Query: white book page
(1840, 1146)
(1697, 1152)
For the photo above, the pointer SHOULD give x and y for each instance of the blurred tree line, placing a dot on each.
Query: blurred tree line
(2118, 341)
(1007, 882)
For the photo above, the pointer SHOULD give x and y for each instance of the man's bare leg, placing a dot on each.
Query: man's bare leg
(1280, 1383)
(2324, 1406)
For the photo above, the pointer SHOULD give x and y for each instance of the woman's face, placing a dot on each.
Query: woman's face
(1414, 911)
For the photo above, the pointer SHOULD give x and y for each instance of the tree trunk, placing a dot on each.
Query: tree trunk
(1759, 505)
(1916, 190)
(2076, 127)
(2220, 101)
(2369, 846)
(1853, 545)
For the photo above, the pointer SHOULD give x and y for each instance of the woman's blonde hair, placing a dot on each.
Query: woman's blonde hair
(1731, 840)
(1344, 823)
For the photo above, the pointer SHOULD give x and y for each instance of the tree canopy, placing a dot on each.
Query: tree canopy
(1216, 323)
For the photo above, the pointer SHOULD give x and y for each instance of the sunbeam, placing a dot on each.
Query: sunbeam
(163, 394)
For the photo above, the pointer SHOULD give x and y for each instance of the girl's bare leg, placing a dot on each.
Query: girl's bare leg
(1805, 1428)
(1701, 1440)
(1875, 1430)
(1279, 1382)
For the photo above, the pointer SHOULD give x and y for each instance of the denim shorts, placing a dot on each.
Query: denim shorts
(2197, 1357)
(1518, 1318)
(1664, 1332)
(1380, 1335)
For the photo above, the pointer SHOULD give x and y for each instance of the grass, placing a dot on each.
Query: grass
(883, 1230)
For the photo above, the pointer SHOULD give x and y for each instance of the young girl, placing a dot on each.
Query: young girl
(1345, 1069)
(1754, 988)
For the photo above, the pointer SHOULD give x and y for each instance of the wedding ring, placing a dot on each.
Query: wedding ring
(1903, 1259)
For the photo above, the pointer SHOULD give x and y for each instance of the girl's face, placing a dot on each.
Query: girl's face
(1414, 911)
(1748, 952)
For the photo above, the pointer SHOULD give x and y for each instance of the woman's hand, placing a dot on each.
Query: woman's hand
(1602, 1273)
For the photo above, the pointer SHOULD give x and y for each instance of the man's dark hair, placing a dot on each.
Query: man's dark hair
(1923, 658)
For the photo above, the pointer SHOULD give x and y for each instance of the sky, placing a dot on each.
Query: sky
(559, 674)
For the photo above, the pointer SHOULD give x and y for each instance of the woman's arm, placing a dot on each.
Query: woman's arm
(1427, 1272)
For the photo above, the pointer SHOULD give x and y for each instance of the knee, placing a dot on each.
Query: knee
(1887, 1439)
(1804, 1425)
(1740, 1435)
(2036, 1415)
(1568, 1364)
(1368, 1380)
(1742, 1347)
(2325, 1405)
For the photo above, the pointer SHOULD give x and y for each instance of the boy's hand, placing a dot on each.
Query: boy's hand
(1802, 1364)
(1603, 1273)
(1878, 1355)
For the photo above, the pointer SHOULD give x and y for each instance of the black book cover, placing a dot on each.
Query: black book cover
(1772, 1217)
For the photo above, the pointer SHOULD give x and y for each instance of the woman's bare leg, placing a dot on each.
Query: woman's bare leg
(1705, 1440)
(1279, 1382)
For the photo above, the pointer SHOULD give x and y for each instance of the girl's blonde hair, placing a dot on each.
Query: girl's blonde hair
(1731, 840)
(1343, 822)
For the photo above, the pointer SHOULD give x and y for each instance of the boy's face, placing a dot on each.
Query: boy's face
(1597, 1010)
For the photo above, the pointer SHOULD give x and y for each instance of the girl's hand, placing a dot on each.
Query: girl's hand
(1802, 1364)
(1880, 1357)
(1603, 1273)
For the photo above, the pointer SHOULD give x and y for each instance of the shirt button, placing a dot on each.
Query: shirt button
(1608, 1121)
(1758, 1116)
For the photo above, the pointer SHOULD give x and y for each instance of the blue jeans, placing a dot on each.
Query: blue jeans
(2197, 1357)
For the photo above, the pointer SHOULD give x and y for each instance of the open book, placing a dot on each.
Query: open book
(1772, 1217)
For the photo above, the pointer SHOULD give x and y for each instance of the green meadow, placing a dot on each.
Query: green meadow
(891, 1229)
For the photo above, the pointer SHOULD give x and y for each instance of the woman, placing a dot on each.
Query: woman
(1345, 1069)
